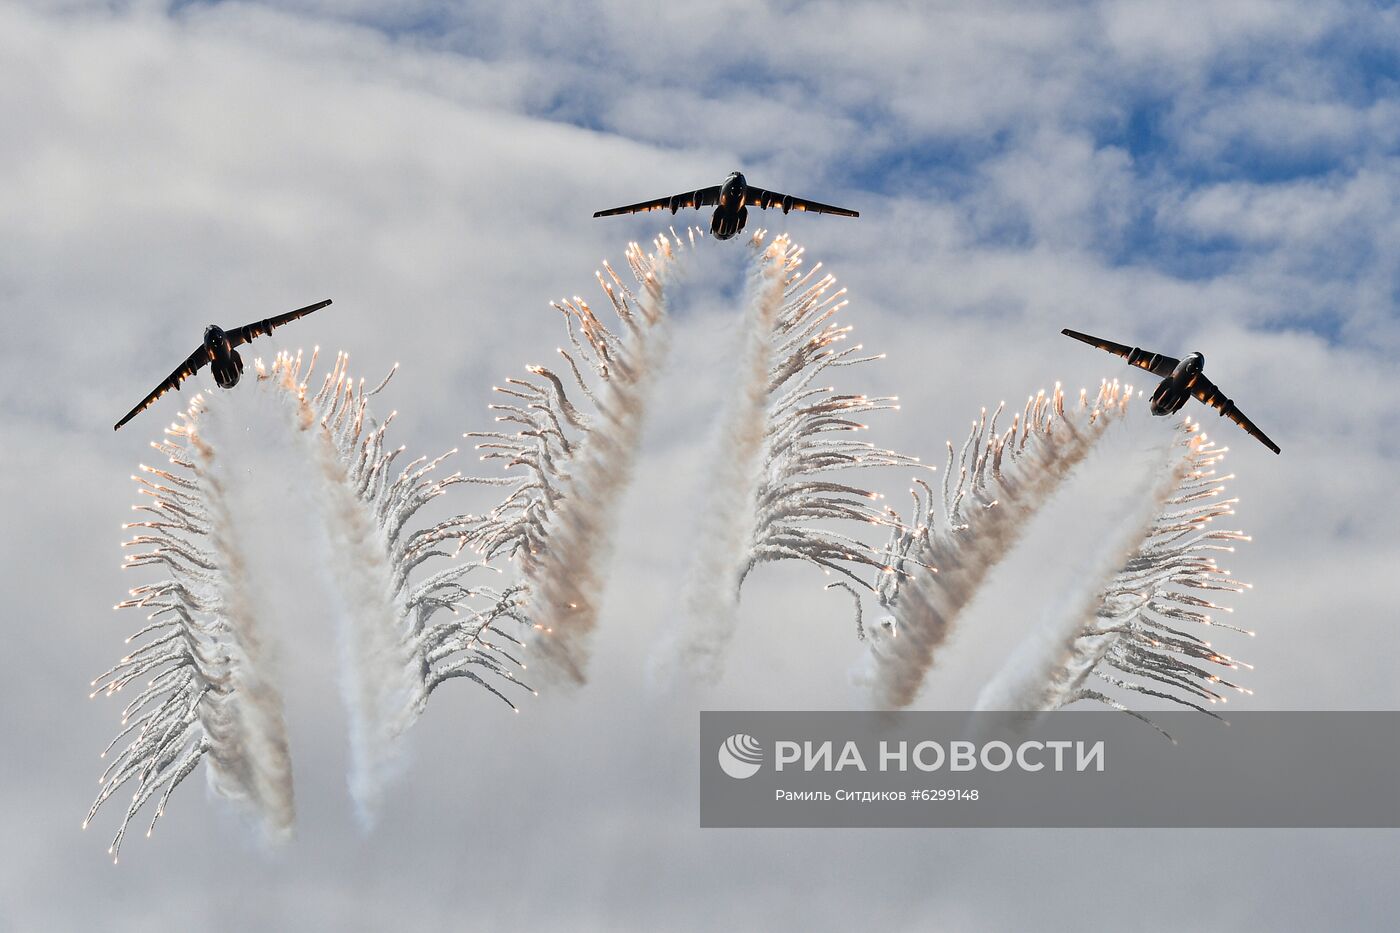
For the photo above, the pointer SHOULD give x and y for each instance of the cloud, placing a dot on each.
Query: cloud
(433, 169)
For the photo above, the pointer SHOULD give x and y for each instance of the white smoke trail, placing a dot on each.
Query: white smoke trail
(1129, 621)
(711, 596)
(208, 691)
(558, 519)
(210, 694)
(393, 658)
(780, 434)
(991, 488)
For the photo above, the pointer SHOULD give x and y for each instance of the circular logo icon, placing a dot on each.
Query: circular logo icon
(741, 756)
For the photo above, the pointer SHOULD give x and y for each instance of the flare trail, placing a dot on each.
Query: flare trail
(393, 652)
(992, 486)
(210, 691)
(782, 436)
(202, 653)
(1138, 618)
(574, 461)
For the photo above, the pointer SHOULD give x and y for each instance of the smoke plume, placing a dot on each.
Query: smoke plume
(1135, 619)
(990, 489)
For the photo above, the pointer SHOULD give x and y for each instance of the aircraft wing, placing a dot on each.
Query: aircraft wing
(701, 198)
(188, 368)
(1155, 363)
(245, 334)
(766, 199)
(1207, 392)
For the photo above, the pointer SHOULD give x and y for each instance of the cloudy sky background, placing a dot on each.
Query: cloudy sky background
(1207, 176)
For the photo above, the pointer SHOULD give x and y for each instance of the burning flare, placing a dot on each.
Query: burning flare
(401, 638)
(783, 435)
(992, 486)
(201, 652)
(1139, 617)
(572, 462)
(205, 646)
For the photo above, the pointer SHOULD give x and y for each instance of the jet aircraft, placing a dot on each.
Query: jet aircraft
(217, 351)
(731, 201)
(1181, 380)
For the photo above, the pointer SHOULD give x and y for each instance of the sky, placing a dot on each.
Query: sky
(1220, 177)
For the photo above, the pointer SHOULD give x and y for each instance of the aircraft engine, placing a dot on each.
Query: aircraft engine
(1168, 399)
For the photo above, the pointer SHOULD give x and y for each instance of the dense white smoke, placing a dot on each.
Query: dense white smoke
(392, 658)
(203, 650)
(990, 489)
(559, 517)
(780, 437)
(711, 595)
(1134, 618)
(207, 648)
(784, 486)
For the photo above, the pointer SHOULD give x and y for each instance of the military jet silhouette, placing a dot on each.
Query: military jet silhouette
(217, 351)
(1181, 379)
(731, 200)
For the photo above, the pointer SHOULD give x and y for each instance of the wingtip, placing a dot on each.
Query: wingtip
(597, 213)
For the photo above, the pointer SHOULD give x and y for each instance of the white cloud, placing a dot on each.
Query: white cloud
(235, 160)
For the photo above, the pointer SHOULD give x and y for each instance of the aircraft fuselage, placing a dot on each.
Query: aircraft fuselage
(730, 215)
(224, 361)
(1174, 391)
(731, 200)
